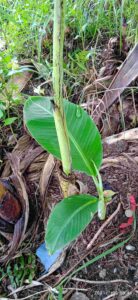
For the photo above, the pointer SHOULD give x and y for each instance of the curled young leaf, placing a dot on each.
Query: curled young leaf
(101, 209)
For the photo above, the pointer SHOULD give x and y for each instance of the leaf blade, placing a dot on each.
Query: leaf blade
(84, 136)
(68, 219)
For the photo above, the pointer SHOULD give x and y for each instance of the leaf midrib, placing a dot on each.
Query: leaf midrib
(84, 158)
(43, 108)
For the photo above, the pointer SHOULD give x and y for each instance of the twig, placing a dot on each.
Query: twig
(115, 239)
(27, 297)
(25, 287)
(133, 160)
(131, 134)
(127, 295)
(97, 282)
(111, 296)
(103, 226)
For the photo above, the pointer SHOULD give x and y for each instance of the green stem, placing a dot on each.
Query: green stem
(101, 204)
(59, 117)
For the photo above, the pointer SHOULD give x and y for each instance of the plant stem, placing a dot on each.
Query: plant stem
(59, 116)
(101, 204)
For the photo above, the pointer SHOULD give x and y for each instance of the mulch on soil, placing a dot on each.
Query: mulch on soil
(120, 174)
(122, 178)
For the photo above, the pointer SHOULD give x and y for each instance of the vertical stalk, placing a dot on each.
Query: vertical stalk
(59, 116)
(99, 186)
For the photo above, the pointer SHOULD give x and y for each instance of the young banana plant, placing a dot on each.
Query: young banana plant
(65, 130)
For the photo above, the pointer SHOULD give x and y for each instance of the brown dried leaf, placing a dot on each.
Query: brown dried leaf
(29, 154)
(16, 84)
(21, 225)
(30, 157)
(83, 188)
(45, 178)
(72, 189)
(19, 81)
(126, 74)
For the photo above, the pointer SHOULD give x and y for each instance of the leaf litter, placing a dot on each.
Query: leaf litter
(27, 166)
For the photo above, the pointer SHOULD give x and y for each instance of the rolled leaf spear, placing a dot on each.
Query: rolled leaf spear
(58, 110)
(59, 117)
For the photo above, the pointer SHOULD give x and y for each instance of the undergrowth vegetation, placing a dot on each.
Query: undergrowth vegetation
(26, 29)
(26, 26)
(22, 269)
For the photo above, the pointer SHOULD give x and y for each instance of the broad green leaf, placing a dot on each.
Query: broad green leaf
(9, 121)
(68, 219)
(84, 136)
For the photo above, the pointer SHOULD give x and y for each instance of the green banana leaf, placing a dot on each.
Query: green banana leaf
(68, 219)
(85, 140)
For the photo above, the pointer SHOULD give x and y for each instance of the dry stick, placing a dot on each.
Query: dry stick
(27, 297)
(103, 226)
(128, 135)
(134, 106)
(111, 296)
(133, 160)
(129, 294)
(26, 287)
(101, 281)
(126, 296)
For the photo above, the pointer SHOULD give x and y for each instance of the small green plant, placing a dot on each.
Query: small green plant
(9, 94)
(78, 61)
(66, 131)
(21, 269)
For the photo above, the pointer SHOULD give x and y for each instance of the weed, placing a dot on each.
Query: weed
(21, 269)
(24, 21)
(26, 28)
(10, 96)
(30, 22)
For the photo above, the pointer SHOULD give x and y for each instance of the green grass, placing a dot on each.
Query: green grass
(27, 28)
(17, 271)
(23, 24)
(26, 24)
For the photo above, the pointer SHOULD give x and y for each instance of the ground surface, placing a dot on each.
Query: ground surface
(119, 173)
(122, 178)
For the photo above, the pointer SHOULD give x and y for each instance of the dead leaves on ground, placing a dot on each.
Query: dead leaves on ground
(16, 169)
(29, 169)
(112, 80)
